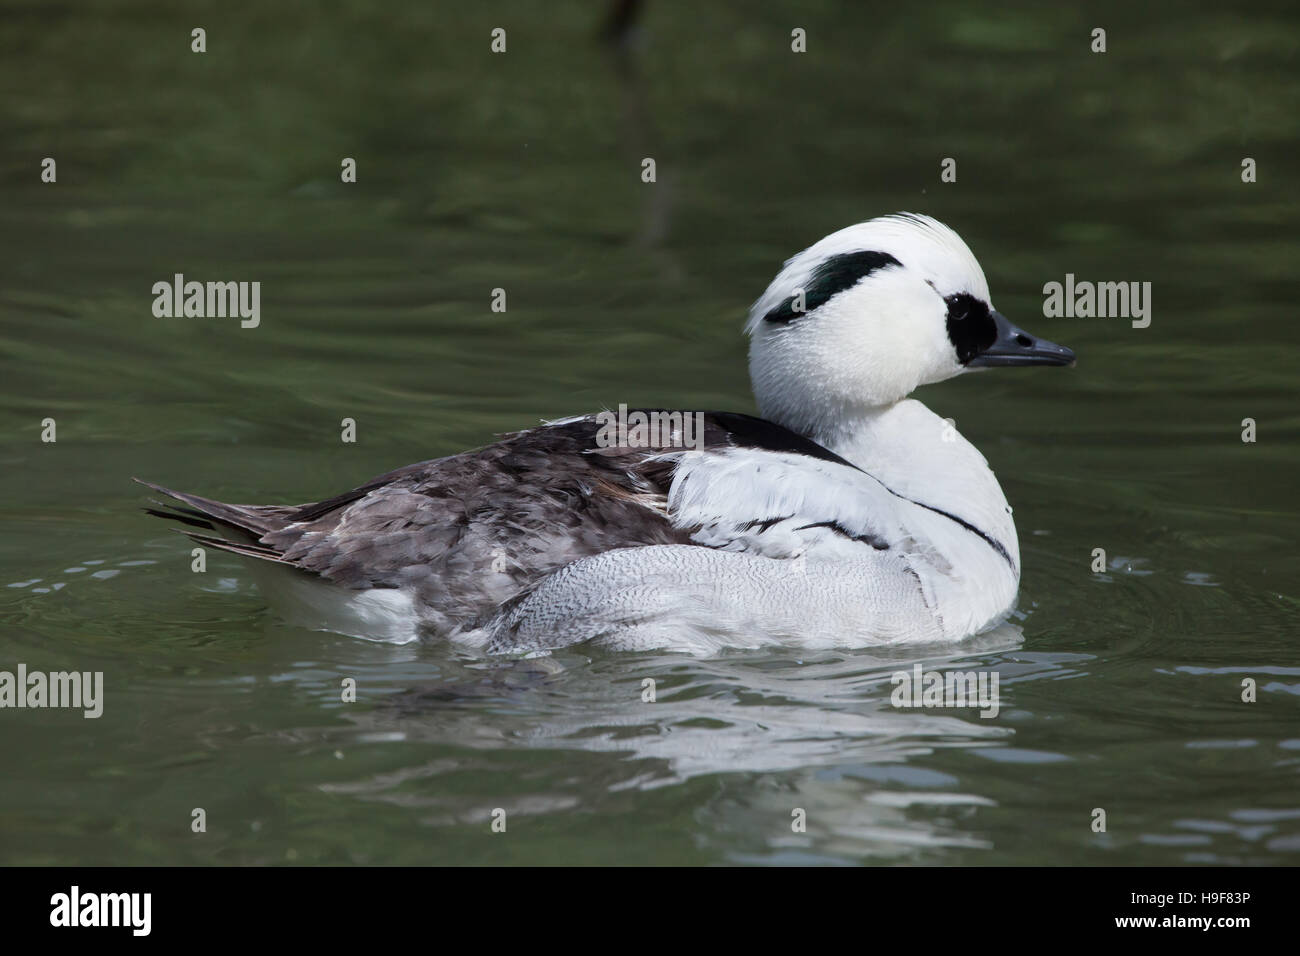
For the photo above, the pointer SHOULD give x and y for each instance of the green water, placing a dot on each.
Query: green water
(1120, 690)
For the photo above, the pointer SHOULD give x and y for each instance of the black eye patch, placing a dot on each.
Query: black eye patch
(970, 327)
(829, 279)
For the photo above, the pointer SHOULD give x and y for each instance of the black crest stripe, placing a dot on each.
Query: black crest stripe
(831, 278)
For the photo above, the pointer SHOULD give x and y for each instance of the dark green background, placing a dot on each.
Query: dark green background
(521, 171)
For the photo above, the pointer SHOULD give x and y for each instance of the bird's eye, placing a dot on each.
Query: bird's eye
(958, 307)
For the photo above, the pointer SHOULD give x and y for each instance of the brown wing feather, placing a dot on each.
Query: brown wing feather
(469, 531)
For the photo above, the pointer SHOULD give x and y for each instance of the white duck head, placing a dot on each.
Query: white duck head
(860, 319)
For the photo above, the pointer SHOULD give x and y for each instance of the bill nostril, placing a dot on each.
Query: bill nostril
(1023, 340)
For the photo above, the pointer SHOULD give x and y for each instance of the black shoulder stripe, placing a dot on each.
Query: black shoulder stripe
(991, 541)
(762, 524)
(867, 538)
(746, 431)
(831, 278)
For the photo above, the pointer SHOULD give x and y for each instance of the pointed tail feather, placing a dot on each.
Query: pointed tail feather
(248, 520)
(252, 550)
